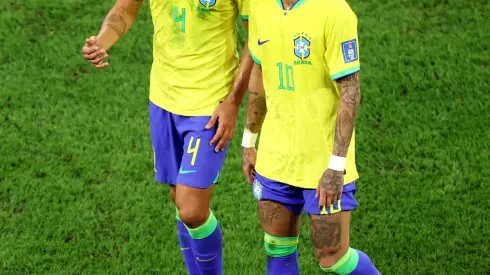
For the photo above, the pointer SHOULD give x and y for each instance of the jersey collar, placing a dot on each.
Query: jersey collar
(295, 5)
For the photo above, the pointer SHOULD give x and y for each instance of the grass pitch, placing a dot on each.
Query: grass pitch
(76, 189)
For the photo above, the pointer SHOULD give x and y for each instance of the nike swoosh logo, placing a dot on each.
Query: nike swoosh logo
(201, 260)
(184, 248)
(182, 171)
(262, 42)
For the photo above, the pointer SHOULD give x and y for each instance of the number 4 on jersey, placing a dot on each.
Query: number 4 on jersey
(179, 18)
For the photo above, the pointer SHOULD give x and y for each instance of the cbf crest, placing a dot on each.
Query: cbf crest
(208, 3)
(257, 190)
(302, 45)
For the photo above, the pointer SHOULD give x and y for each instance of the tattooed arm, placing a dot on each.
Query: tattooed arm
(118, 22)
(256, 112)
(257, 107)
(350, 96)
(332, 181)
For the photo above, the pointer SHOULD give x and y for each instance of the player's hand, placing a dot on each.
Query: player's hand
(225, 115)
(330, 187)
(249, 156)
(94, 53)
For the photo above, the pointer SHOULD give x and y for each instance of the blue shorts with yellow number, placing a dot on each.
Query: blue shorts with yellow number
(297, 199)
(182, 153)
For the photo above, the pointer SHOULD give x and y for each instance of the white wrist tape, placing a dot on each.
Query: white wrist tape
(336, 163)
(249, 139)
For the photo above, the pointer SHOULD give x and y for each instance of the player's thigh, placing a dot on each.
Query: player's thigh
(329, 226)
(330, 235)
(279, 206)
(167, 145)
(199, 170)
(201, 165)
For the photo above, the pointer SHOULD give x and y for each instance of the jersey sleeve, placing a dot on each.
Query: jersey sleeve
(243, 8)
(253, 38)
(342, 43)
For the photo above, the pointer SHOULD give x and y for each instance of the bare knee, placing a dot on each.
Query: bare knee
(193, 204)
(193, 216)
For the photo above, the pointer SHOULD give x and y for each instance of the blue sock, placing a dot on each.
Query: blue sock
(207, 245)
(185, 248)
(285, 265)
(282, 256)
(364, 266)
(354, 262)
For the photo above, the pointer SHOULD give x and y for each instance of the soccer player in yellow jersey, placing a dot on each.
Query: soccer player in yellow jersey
(196, 87)
(307, 61)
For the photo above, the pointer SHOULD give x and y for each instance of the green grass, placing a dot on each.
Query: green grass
(76, 187)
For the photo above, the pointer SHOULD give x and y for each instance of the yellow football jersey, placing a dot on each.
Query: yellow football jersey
(301, 52)
(195, 57)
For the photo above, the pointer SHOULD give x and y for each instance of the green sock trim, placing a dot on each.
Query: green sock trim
(280, 246)
(177, 214)
(346, 264)
(205, 229)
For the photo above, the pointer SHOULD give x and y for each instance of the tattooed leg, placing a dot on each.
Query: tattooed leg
(281, 228)
(330, 236)
(277, 220)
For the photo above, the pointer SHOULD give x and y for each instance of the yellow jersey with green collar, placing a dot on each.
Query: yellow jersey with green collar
(195, 57)
(302, 51)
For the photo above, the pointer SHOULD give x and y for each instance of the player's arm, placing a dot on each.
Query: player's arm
(342, 57)
(242, 79)
(343, 61)
(257, 107)
(350, 96)
(246, 63)
(256, 111)
(116, 24)
(227, 112)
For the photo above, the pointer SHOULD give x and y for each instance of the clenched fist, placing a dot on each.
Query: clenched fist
(94, 53)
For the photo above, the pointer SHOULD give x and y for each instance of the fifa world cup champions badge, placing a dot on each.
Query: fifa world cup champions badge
(302, 45)
(349, 51)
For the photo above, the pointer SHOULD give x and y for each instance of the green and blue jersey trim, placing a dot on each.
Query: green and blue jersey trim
(295, 5)
(244, 17)
(345, 72)
(256, 60)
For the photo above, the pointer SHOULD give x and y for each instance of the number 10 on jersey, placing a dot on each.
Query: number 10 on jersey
(286, 71)
(179, 18)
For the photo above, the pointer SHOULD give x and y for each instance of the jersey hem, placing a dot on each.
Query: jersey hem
(286, 180)
(201, 112)
(345, 72)
(244, 17)
(255, 59)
